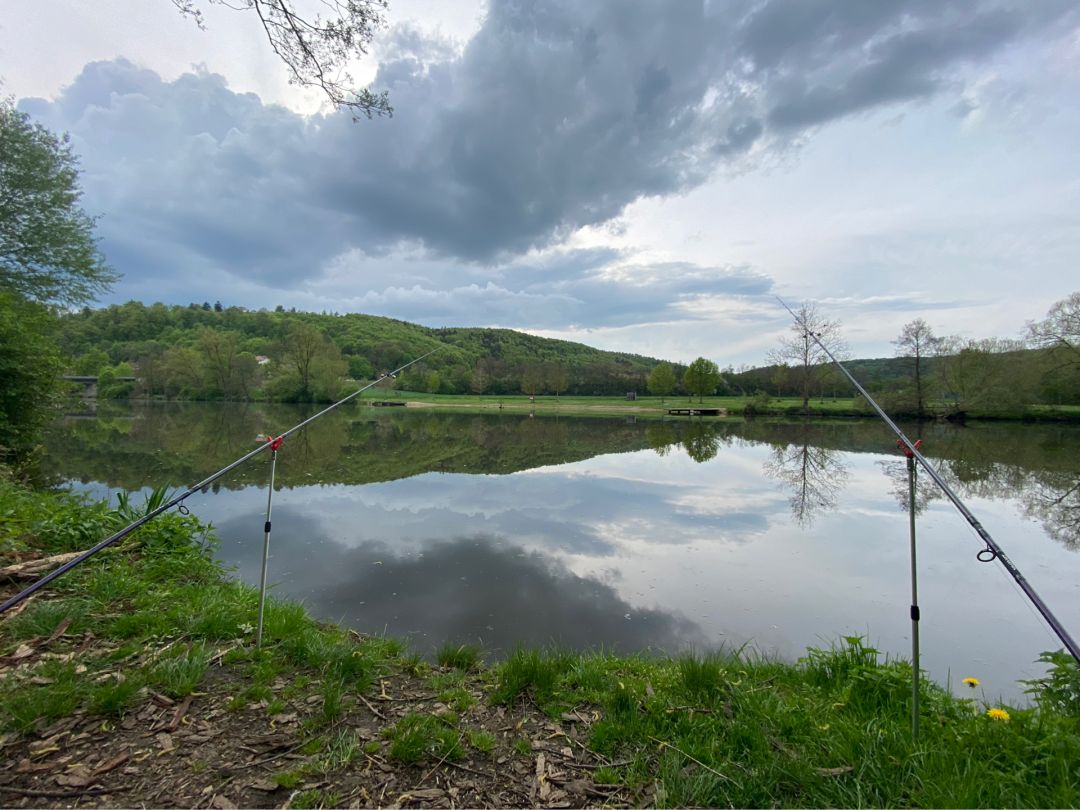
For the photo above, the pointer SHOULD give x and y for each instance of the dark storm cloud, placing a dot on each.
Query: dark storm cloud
(554, 116)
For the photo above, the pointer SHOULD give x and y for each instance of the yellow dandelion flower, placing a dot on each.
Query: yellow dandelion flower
(972, 682)
(998, 714)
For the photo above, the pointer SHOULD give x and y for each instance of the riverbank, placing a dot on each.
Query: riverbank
(648, 407)
(135, 681)
(658, 407)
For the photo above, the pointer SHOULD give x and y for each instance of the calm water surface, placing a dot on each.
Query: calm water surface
(506, 530)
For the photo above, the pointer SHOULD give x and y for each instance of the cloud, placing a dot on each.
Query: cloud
(550, 119)
(598, 286)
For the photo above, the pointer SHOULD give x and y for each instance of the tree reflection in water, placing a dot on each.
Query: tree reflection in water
(1053, 499)
(926, 491)
(814, 474)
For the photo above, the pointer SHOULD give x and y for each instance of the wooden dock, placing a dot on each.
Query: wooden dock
(697, 411)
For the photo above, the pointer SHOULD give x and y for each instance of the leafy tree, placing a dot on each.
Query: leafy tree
(48, 252)
(29, 365)
(317, 50)
(701, 378)
(90, 363)
(183, 371)
(803, 354)
(661, 381)
(557, 378)
(219, 350)
(302, 346)
(531, 379)
(360, 368)
(316, 362)
(986, 375)
(917, 341)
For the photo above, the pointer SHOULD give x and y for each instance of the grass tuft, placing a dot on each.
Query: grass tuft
(465, 657)
(532, 672)
(419, 737)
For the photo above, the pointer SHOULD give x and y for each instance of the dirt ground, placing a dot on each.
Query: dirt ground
(199, 753)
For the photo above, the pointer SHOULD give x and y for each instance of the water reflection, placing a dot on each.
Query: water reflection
(814, 474)
(175, 444)
(477, 589)
(1053, 499)
(926, 491)
(563, 527)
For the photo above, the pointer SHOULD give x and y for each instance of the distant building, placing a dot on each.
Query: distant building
(262, 359)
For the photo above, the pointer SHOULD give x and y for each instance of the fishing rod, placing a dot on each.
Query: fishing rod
(992, 551)
(273, 443)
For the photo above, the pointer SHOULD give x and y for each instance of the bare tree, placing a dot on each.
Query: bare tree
(802, 353)
(1060, 330)
(917, 340)
(316, 49)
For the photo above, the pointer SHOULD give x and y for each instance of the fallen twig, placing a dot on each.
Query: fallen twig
(178, 715)
(32, 569)
(374, 711)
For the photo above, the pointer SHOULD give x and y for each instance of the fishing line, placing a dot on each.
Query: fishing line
(992, 551)
(179, 499)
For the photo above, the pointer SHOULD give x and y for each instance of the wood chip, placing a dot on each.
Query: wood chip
(223, 803)
(265, 785)
(59, 631)
(424, 794)
(79, 776)
(110, 764)
(165, 741)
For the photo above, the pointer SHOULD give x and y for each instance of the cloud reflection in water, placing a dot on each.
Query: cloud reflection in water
(475, 589)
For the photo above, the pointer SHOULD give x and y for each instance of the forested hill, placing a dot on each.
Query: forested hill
(171, 346)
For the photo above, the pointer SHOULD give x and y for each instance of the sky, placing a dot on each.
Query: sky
(637, 176)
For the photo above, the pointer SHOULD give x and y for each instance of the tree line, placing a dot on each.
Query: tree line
(931, 374)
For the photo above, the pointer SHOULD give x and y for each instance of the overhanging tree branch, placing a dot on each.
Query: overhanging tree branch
(316, 50)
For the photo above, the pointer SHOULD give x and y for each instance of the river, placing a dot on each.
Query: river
(506, 530)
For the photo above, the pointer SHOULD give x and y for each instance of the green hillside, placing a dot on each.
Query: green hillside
(153, 340)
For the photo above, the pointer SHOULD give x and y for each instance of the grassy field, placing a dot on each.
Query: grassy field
(652, 407)
(158, 620)
(642, 406)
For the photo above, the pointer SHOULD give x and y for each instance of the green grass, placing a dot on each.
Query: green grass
(465, 657)
(833, 730)
(535, 674)
(482, 741)
(160, 589)
(522, 746)
(642, 406)
(316, 798)
(419, 737)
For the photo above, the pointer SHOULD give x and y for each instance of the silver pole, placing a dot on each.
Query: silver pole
(266, 543)
(914, 606)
